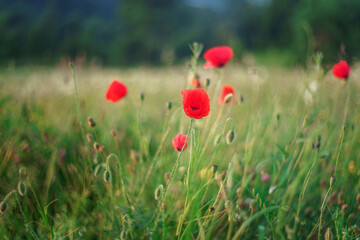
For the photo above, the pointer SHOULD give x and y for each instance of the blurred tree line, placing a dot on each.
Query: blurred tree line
(127, 32)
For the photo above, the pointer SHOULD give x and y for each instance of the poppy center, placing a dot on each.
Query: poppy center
(194, 108)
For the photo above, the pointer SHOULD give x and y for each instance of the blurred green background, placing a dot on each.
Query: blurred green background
(133, 32)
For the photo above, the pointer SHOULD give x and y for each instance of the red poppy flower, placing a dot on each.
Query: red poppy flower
(196, 103)
(116, 91)
(179, 141)
(218, 56)
(195, 83)
(341, 70)
(226, 89)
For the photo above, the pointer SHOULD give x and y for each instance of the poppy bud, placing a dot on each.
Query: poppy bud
(228, 98)
(107, 176)
(142, 96)
(98, 170)
(21, 187)
(158, 192)
(169, 105)
(278, 116)
(358, 198)
(91, 122)
(214, 168)
(230, 136)
(96, 146)
(167, 177)
(207, 82)
(242, 99)
(89, 137)
(3, 207)
(113, 133)
(217, 139)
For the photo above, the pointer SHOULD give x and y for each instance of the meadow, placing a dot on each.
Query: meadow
(279, 161)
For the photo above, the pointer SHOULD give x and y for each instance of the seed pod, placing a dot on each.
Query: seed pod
(107, 176)
(3, 207)
(211, 209)
(142, 96)
(113, 133)
(230, 136)
(169, 105)
(98, 170)
(21, 188)
(91, 122)
(158, 192)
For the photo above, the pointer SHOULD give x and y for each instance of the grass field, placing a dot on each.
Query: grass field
(291, 172)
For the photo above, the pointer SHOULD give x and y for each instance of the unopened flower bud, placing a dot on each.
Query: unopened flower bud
(211, 209)
(97, 146)
(158, 192)
(207, 82)
(214, 168)
(98, 170)
(230, 136)
(358, 198)
(113, 133)
(169, 105)
(107, 176)
(228, 98)
(21, 188)
(142, 96)
(3, 207)
(91, 122)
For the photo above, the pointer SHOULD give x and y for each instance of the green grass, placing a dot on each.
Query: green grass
(275, 129)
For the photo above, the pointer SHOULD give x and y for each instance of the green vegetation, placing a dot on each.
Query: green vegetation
(291, 172)
(133, 32)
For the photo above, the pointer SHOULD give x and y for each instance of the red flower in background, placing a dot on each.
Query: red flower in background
(226, 89)
(179, 141)
(341, 70)
(196, 103)
(116, 91)
(218, 56)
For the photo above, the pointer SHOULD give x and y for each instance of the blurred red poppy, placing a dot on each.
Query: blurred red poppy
(226, 89)
(116, 91)
(218, 56)
(196, 103)
(195, 83)
(178, 142)
(341, 70)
